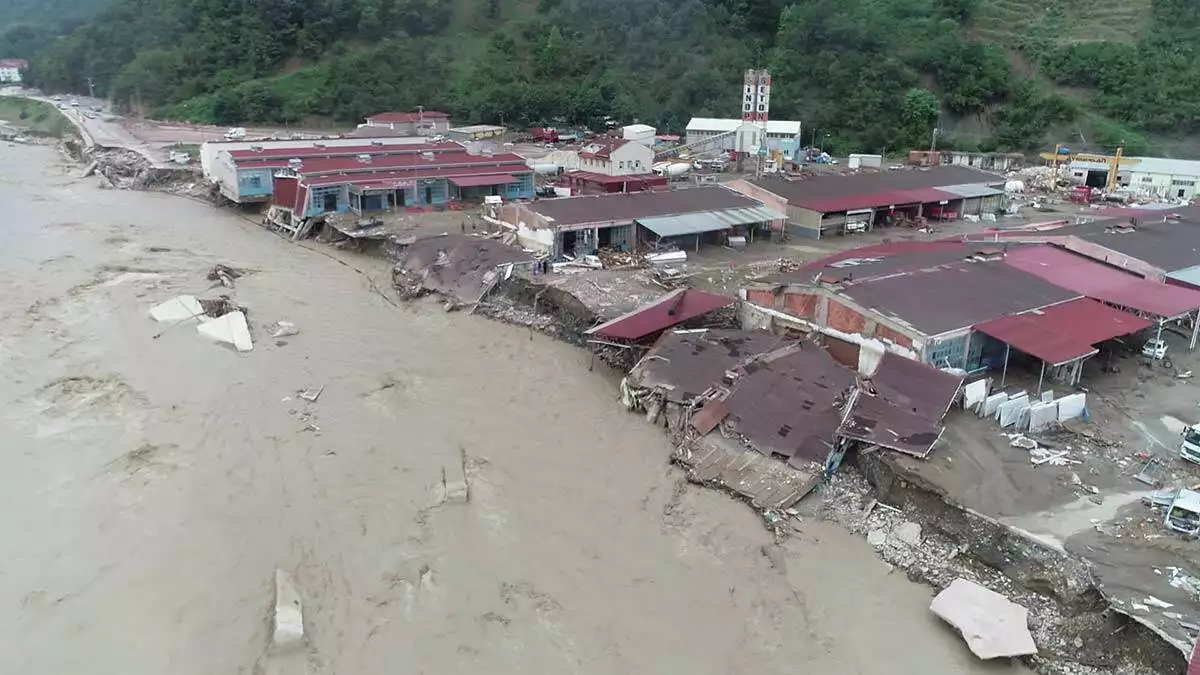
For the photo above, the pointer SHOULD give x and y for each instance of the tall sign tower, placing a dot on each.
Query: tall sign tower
(756, 95)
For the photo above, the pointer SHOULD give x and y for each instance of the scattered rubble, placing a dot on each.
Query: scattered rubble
(992, 625)
(282, 329)
(224, 274)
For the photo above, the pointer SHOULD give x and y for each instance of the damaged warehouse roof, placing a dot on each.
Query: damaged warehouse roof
(670, 310)
(790, 398)
(906, 409)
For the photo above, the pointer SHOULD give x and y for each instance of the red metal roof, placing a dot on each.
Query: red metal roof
(474, 163)
(605, 179)
(308, 150)
(394, 117)
(604, 148)
(877, 199)
(14, 63)
(1064, 332)
(1099, 281)
(1194, 663)
(476, 181)
(406, 177)
(670, 310)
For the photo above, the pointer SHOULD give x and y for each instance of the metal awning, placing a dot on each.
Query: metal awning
(972, 190)
(1059, 334)
(477, 181)
(709, 221)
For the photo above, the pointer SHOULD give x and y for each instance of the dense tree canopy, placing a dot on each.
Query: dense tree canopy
(873, 74)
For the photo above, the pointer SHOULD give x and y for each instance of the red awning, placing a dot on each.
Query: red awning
(670, 310)
(476, 181)
(1064, 332)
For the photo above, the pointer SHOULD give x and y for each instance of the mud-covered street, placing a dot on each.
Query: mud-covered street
(150, 486)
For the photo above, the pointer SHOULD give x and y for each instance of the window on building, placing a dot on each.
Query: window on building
(948, 353)
(1147, 179)
(622, 165)
(254, 181)
(1179, 182)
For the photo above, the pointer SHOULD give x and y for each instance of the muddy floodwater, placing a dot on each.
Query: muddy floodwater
(151, 481)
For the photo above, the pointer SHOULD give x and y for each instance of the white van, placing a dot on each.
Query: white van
(1189, 446)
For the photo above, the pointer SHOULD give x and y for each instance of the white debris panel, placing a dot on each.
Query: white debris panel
(178, 309)
(992, 625)
(229, 329)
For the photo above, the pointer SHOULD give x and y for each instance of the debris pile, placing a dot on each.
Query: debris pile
(224, 274)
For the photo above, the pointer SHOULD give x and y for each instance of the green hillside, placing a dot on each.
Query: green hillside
(874, 74)
(27, 26)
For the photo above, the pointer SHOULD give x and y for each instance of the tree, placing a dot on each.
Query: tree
(918, 115)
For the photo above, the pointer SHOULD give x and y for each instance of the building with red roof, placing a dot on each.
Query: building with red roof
(312, 179)
(970, 305)
(832, 204)
(420, 123)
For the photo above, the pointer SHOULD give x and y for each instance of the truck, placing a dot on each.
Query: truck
(235, 134)
(545, 134)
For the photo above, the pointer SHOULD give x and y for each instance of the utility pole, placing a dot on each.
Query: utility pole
(91, 87)
(933, 141)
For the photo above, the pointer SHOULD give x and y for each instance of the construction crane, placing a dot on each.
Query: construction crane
(1062, 154)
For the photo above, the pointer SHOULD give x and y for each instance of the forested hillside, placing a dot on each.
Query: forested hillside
(874, 74)
(27, 26)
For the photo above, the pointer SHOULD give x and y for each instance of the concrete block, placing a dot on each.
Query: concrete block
(1047, 396)
(1008, 412)
(289, 617)
(992, 625)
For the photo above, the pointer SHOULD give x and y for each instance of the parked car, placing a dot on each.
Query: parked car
(1154, 348)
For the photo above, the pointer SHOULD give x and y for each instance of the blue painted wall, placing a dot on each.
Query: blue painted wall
(316, 199)
(255, 183)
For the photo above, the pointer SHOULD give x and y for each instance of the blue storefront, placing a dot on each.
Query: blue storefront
(366, 195)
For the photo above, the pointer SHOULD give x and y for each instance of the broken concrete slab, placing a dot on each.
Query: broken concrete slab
(877, 537)
(229, 329)
(178, 309)
(1010, 411)
(288, 621)
(992, 625)
(908, 533)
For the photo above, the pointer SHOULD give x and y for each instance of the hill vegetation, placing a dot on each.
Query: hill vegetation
(27, 26)
(873, 74)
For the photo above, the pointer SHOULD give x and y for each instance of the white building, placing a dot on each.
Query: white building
(617, 158)
(1151, 176)
(10, 70)
(734, 134)
(639, 133)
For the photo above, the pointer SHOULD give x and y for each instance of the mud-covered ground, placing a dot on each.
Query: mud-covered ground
(150, 486)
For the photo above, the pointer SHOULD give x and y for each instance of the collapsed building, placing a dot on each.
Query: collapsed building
(729, 395)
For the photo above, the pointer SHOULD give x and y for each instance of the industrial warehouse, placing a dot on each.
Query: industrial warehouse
(823, 206)
(644, 222)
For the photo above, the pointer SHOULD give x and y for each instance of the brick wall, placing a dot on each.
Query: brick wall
(884, 333)
(762, 298)
(803, 305)
(845, 319)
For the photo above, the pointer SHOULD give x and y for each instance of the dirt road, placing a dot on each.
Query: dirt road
(150, 487)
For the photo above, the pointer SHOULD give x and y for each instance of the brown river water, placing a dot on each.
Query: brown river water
(150, 487)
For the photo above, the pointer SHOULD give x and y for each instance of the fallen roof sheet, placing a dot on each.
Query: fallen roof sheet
(687, 363)
(230, 329)
(992, 625)
(670, 310)
(915, 387)
(955, 296)
(874, 420)
(1108, 284)
(476, 181)
(709, 221)
(1064, 332)
(789, 402)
